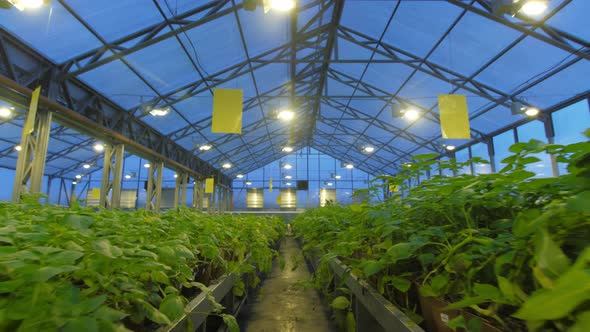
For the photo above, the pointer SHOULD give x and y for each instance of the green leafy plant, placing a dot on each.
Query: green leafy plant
(81, 269)
(507, 247)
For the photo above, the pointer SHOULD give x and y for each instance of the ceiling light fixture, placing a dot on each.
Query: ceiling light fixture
(402, 111)
(368, 149)
(160, 111)
(287, 184)
(26, 4)
(248, 183)
(205, 147)
(329, 184)
(127, 176)
(337, 177)
(239, 176)
(534, 7)
(78, 176)
(86, 166)
(226, 165)
(74, 182)
(286, 115)
(98, 147)
(288, 177)
(175, 176)
(349, 166)
(450, 147)
(287, 166)
(5, 112)
(147, 165)
(287, 149)
(282, 5)
(531, 111)
(18, 148)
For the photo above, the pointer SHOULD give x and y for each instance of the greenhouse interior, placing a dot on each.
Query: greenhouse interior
(295, 165)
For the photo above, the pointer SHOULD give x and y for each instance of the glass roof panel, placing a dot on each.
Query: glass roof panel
(215, 45)
(115, 19)
(164, 65)
(561, 86)
(573, 19)
(51, 30)
(271, 76)
(347, 50)
(418, 25)
(118, 83)
(264, 31)
(387, 76)
(421, 127)
(472, 43)
(166, 124)
(335, 88)
(351, 69)
(196, 107)
(356, 14)
(494, 119)
(520, 64)
(423, 89)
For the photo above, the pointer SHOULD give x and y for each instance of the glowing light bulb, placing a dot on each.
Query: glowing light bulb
(286, 115)
(226, 165)
(287, 166)
(349, 166)
(368, 149)
(411, 115)
(147, 165)
(531, 111)
(205, 147)
(450, 147)
(86, 166)
(287, 149)
(534, 7)
(282, 5)
(239, 176)
(5, 112)
(18, 148)
(98, 147)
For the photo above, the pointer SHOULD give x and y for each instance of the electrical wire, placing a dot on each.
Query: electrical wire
(196, 54)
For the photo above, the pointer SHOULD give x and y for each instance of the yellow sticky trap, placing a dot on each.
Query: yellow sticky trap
(279, 200)
(30, 122)
(454, 117)
(227, 111)
(95, 193)
(393, 188)
(270, 185)
(209, 185)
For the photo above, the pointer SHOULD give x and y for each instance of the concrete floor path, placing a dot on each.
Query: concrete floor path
(283, 305)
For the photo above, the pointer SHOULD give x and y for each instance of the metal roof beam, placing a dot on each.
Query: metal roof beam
(555, 37)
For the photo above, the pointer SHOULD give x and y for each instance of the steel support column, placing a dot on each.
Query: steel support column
(198, 195)
(180, 190)
(30, 165)
(154, 186)
(113, 165)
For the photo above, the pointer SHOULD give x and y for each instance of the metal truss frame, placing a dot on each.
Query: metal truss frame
(307, 89)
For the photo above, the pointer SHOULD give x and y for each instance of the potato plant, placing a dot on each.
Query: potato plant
(82, 269)
(512, 249)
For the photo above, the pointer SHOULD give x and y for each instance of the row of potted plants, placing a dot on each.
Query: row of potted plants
(84, 270)
(502, 251)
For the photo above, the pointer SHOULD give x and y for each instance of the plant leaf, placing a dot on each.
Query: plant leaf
(340, 303)
(549, 256)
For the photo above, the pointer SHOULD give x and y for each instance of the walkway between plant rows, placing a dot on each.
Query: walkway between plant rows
(284, 305)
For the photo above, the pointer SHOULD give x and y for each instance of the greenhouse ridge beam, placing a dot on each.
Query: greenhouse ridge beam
(334, 24)
(83, 109)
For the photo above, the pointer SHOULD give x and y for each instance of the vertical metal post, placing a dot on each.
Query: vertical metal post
(49, 180)
(231, 200)
(212, 200)
(154, 186)
(550, 134)
(492, 154)
(72, 194)
(113, 165)
(30, 165)
(180, 190)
